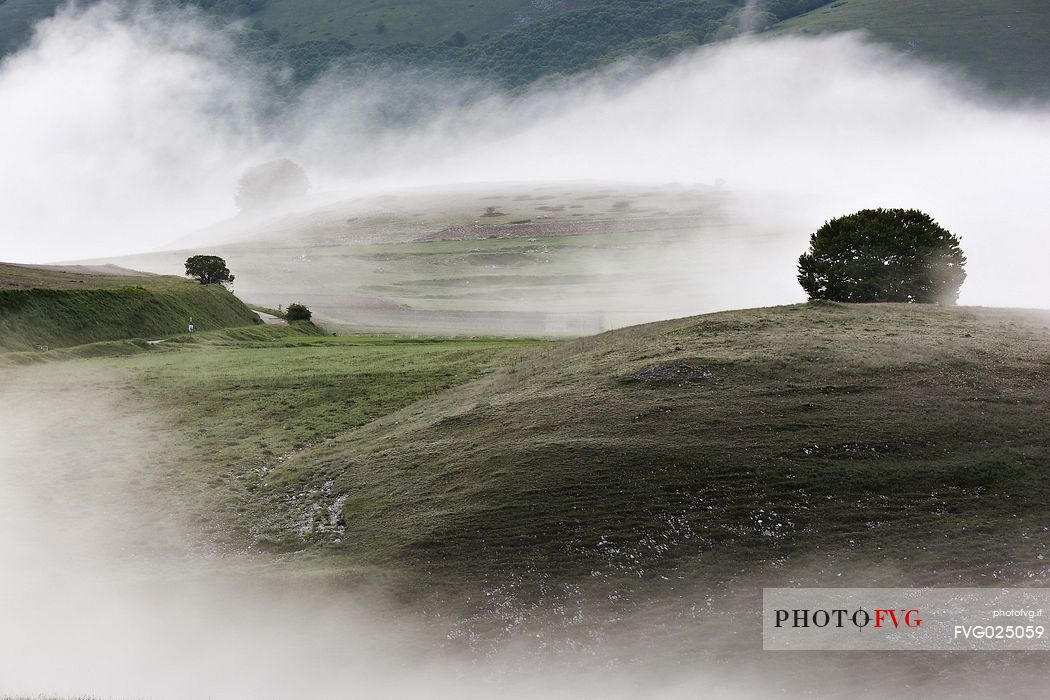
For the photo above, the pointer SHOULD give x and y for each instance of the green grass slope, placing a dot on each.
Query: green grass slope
(240, 402)
(829, 444)
(1002, 42)
(55, 307)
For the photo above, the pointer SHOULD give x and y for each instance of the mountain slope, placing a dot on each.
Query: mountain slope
(17, 18)
(1002, 42)
(368, 23)
(512, 42)
(515, 42)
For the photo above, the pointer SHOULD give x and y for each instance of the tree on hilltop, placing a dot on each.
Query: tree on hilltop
(208, 269)
(883, 255)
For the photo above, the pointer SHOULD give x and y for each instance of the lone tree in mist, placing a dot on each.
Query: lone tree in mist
(208, 269)
(271, 184)
(895, 255)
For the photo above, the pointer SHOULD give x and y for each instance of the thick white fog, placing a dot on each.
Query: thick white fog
(124, 130)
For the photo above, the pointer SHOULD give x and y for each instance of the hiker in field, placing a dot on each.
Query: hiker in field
(191, 328)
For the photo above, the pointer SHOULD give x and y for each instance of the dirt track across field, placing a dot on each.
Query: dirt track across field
(538, 229)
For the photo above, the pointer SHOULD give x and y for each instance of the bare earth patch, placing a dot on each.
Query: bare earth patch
(677, 371)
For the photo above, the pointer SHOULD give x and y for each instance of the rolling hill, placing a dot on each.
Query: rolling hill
(818, 444)
(862, 436)
(45, 307)
(611, 503)
(554, 260)
(523, 482)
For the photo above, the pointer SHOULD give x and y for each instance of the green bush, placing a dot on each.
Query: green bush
(298, 312)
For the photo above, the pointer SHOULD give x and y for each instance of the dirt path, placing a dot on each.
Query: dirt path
(568, 227)
(270, 319)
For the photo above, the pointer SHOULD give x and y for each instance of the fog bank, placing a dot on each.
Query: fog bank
(106, 593)
(124, 130)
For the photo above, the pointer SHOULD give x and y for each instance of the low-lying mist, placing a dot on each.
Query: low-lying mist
(106, 593)
(124, 129)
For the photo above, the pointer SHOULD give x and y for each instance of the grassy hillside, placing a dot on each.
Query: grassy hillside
(237, 402)
(54, 307)
(822, 444)
(1002, 42)
(825, 444)
(660, 474)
